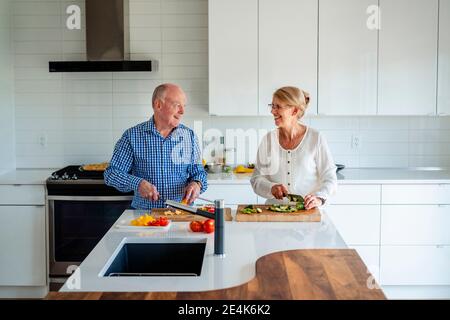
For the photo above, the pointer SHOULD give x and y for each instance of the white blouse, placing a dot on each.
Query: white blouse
(307, 169)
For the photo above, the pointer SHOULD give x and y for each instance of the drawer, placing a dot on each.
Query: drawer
(371, 257)
(22, 195)
(231, 193)
(415, 265)
(357, 194)
(416, 194)
(358, 224)
(415, 225)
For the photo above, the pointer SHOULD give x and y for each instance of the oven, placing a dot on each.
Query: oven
(80, 212)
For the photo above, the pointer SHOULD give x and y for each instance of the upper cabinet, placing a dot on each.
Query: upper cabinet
(233, 52)
(347, 58)
(408, 57)
(287, 49)
(257, 46)
(444, 58)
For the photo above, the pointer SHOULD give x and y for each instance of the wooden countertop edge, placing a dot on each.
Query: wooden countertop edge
(315, 274)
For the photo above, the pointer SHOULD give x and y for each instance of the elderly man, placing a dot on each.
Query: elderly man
(159, 159)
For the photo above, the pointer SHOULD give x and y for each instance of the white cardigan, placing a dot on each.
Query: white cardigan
(307, 169)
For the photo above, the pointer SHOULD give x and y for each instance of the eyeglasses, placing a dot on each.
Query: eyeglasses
(278, 107)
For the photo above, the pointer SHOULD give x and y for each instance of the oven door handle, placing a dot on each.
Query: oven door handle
(90, 198)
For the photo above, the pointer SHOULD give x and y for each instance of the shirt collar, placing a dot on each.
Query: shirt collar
(151, 126)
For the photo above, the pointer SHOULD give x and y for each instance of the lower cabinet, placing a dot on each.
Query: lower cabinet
(371, 257)
(357, 224)
(415, 265)
(22, 249)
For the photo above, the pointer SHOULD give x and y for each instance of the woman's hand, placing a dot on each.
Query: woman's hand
(311, 201)
(279, 191)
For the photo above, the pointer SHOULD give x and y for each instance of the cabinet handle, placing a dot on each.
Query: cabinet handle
(440, 246)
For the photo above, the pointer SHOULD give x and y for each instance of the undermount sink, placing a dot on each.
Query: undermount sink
(156, 258)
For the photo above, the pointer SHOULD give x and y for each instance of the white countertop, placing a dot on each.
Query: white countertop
(26, 176)
(245, 242)
(359, 176)
(346, 176)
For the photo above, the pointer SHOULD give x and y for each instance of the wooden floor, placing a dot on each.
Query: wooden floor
(297, 274)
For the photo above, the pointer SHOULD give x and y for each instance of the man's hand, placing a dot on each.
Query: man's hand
(279, 191)
(148, 191)
(311, 201)
(192, 192)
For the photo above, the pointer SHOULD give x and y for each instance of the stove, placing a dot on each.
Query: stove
(81, 209)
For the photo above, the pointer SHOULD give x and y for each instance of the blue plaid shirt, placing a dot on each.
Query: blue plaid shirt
(168, 163)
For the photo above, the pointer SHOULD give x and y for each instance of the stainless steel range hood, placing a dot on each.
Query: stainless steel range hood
(107, 40)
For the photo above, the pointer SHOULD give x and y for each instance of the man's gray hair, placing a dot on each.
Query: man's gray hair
(159, 93)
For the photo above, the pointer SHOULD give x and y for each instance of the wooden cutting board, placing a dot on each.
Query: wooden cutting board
(312, 215)
(187, 216)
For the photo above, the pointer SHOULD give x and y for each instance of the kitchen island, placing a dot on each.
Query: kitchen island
(263, 261)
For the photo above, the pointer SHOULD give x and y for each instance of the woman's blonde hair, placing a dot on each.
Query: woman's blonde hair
(294, 96)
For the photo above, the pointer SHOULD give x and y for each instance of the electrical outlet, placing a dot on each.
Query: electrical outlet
(356, 142)
(43, 140)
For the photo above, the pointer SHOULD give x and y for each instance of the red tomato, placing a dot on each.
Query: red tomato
(196, 226)
(163, 221)
(208, 226)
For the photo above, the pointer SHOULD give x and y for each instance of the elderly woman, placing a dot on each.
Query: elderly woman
(293, 158)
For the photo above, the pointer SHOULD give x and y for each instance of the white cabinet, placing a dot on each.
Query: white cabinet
(22, 253)
(287, 49)
(415, 225)
(357, 194)
(357, 224)
(444, 58)
(415, 265)
(371, 257)
(233, 52)
(347, 58)
(408, 57)
(416, 194)
(22, 194)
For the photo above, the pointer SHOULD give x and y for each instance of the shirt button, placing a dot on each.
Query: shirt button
(289, 173)
(289, 184)
(289, 162)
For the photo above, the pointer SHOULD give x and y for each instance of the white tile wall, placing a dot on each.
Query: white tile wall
(7, 155)
(80, 116)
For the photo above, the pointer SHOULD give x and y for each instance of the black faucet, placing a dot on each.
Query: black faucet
(218, 217)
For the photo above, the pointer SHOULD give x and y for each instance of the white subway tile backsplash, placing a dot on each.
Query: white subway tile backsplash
(184, 7)
(91, 149)
(87, 86)
(99, 112)
(30, 99)
(42, 86)
(385, 148)
(36, 111)
(185, 72)
(142, 86)
(133, 98)
(38, 47)
(183, 34)
(184, 20)
(149, 7)
(186, 59)
(88, 99)
(145, 46)
(132, 111)
(145, 34)
(37, 21)
(145, 21)
(383, 161)
(35, 34)
(36, 8)
(185, 46)
(35, 74)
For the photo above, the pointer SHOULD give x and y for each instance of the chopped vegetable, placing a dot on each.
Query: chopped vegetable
(251, 210)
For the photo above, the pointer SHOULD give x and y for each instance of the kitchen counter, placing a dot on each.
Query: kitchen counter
(296, 274)
(360, 176)
(26, 176)
(245, 243)
(346, 176)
